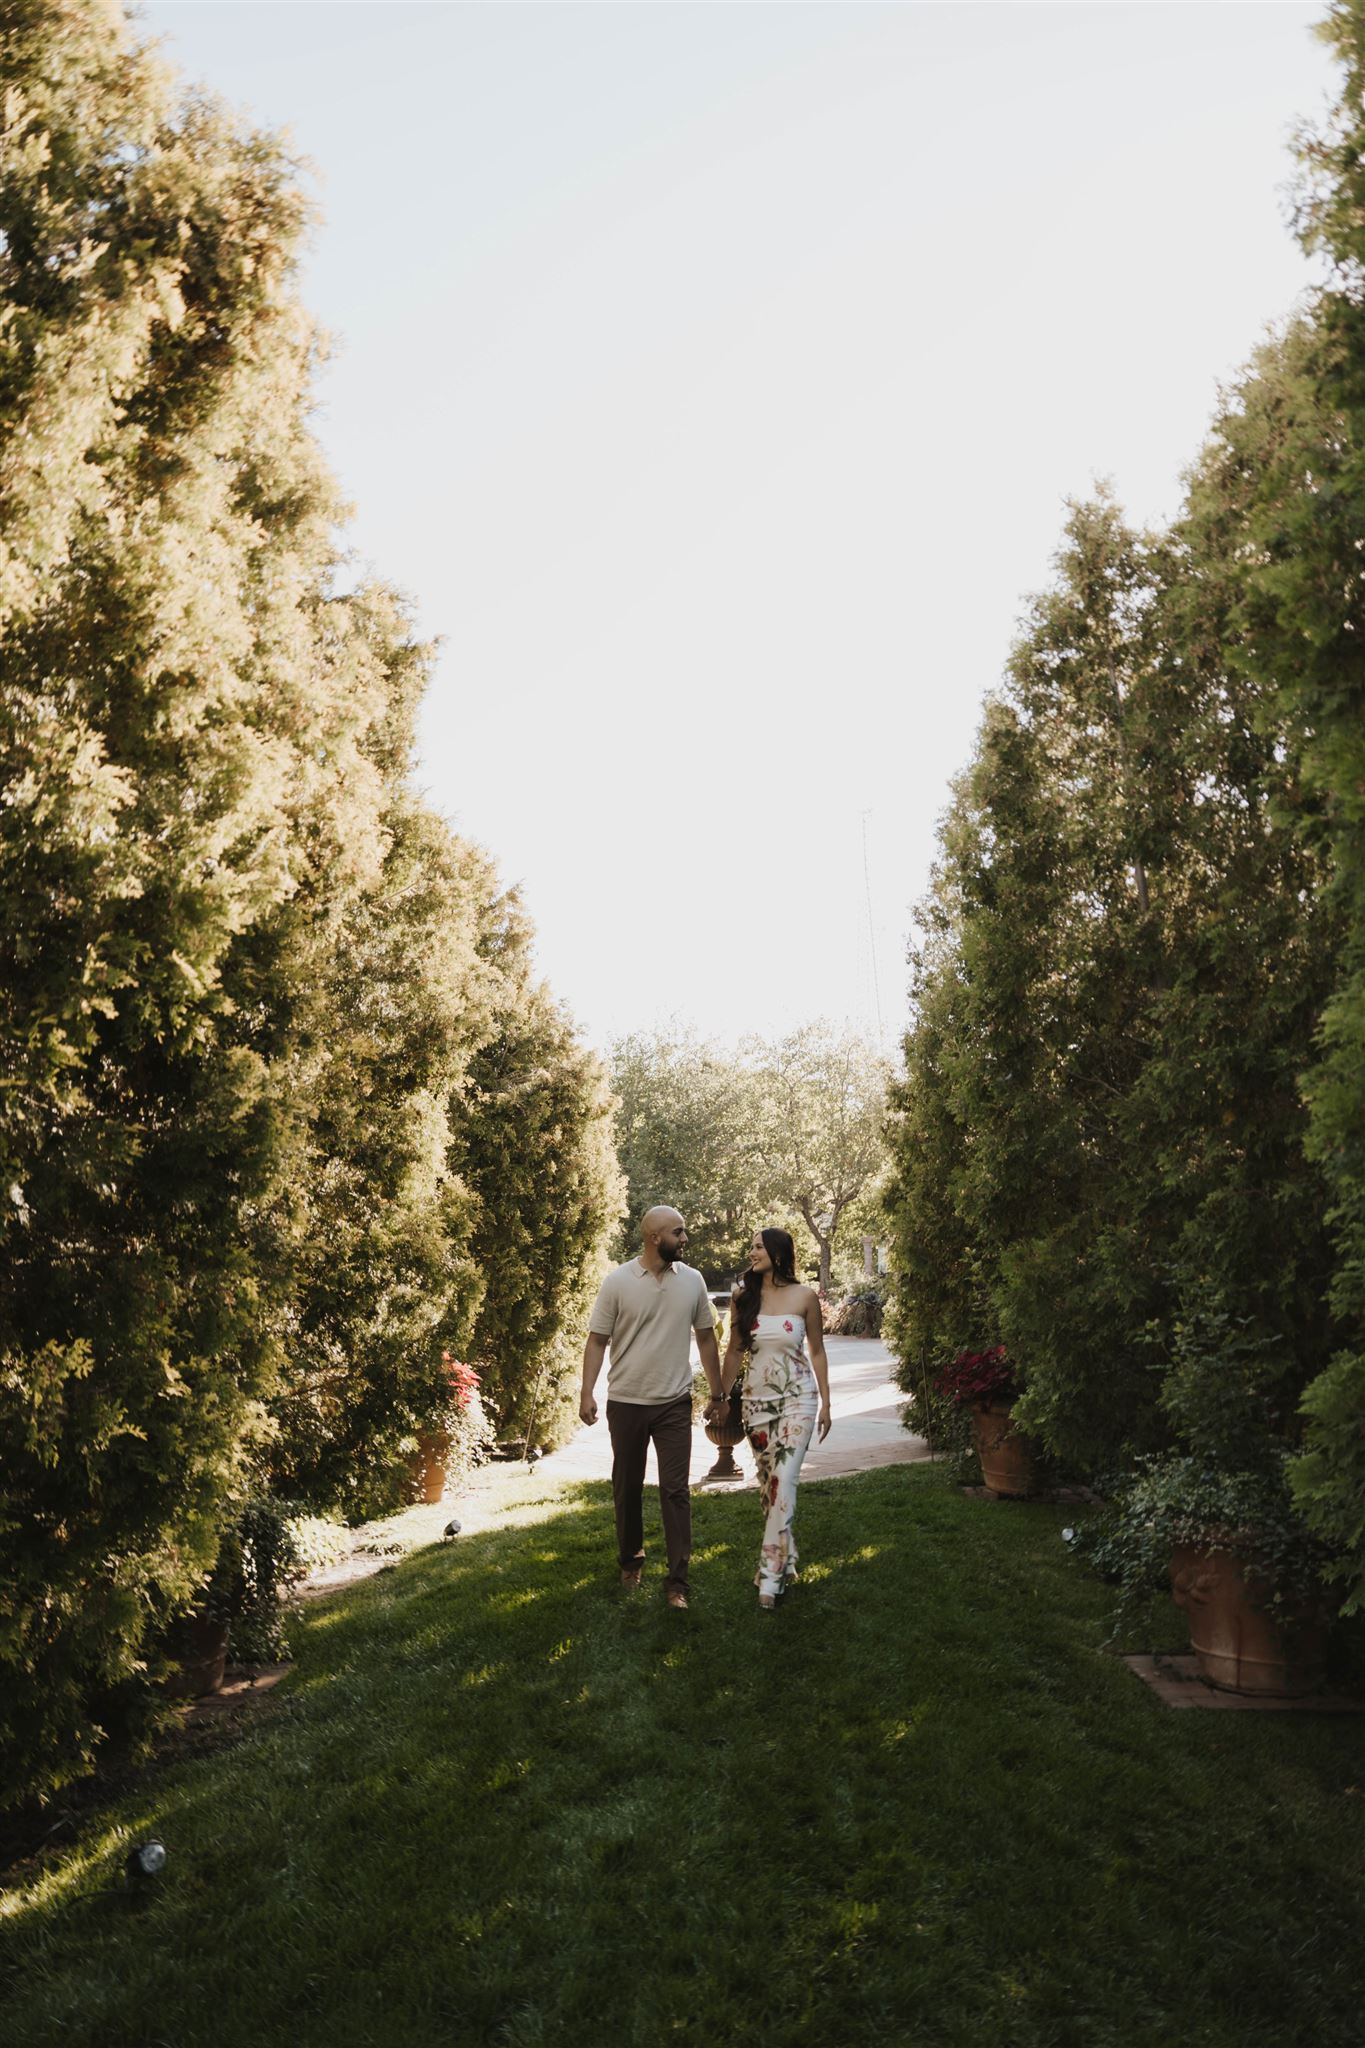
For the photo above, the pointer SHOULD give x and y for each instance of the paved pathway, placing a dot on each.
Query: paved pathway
(867, 1431)
(866, 1404)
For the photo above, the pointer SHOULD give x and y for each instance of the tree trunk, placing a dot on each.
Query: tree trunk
(826, 1252)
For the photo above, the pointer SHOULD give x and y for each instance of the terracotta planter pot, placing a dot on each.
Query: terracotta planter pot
(428, 1467)
(1238, 1645)
(1008, 1466)
(201, 1647)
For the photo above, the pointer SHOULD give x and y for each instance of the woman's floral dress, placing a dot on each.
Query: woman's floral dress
(780, 1402)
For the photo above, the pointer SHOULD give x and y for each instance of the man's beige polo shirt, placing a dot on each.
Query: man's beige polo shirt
(648, 1325)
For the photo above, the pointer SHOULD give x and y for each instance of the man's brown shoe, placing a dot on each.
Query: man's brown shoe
(630, 1578)
(677, 1599)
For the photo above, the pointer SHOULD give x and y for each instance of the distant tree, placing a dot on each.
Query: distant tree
(818, 1126)
(687, 1134)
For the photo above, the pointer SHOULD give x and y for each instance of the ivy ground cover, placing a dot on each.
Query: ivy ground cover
(498, 1802)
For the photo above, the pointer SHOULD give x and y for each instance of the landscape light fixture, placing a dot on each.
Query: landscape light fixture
(146, 1861)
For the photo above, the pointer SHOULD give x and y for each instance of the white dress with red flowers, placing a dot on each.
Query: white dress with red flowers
(780, 1404)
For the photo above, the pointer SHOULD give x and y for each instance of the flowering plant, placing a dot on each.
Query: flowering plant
(977, 1376)
(459, 1420)
(462, 1380)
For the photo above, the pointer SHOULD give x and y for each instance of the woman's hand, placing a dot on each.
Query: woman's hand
(825, 1420)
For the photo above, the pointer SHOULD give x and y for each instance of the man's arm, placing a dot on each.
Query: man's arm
(709, 1353)
(594, 1351)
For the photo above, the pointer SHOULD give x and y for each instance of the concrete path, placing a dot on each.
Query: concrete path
(865, 1399)
(866, 1404)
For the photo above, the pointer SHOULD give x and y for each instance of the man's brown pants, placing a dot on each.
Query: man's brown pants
(632, 1428)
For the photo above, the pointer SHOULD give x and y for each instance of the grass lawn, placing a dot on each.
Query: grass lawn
(499, 1803)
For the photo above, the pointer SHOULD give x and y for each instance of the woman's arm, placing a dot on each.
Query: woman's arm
(732, 1365)
(815, 1337)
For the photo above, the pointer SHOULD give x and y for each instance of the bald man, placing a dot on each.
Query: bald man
(646, 1313)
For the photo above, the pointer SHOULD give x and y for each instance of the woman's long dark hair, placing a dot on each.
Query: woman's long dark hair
(781, 1250)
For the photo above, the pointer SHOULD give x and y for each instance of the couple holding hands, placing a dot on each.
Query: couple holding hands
(645, 1314)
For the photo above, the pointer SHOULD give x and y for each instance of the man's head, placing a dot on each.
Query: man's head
(662, 1230)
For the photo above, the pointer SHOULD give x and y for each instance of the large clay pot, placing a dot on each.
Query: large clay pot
(1240, 1647)
(725, 1435)
(200, 1646)
(1008, 1466)
(428, 1467)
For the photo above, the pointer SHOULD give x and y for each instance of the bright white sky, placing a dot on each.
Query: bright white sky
(712, 378)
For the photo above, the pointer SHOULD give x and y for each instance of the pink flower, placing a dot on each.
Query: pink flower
(788, 1325)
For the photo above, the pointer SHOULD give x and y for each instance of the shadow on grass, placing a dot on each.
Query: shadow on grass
(502, 1802)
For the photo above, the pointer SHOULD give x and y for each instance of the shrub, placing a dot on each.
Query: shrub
(1178, 1499)
(259, 1561)
(860, 1313)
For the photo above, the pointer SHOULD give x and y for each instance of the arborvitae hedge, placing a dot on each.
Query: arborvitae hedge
(180, 761)
(244, 973)
(534, 1145)
(1101, 1143)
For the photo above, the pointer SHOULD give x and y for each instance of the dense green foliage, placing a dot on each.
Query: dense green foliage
(1295, 507)
(385, 1276)
(1100, 1141)
(1129, 1140)
(243, 970)
(787, 1131)
(182, 774)
(686, 1126)
(535, 1148)
(512, 1802)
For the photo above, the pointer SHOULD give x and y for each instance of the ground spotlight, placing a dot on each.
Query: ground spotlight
(146, 1861)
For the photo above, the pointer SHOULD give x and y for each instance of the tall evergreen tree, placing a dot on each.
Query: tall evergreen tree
(1129, 1191)
(1280, 501)
(534, 1145)
(385, 1278)
(185, 799)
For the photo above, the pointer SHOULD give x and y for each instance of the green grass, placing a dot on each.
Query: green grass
(498, 1803)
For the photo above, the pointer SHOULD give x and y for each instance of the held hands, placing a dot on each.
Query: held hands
(587, 1407)
(825, 1421)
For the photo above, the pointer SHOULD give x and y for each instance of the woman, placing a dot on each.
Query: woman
(772, 1321)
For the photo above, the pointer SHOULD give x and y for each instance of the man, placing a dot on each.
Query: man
(647, 1311)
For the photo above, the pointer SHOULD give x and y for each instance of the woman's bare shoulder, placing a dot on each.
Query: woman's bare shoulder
(809, 1299)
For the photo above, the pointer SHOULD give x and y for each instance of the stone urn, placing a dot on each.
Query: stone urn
(427, 1466)
(1008, 1465)
(1239, 1645)
(725, 1435)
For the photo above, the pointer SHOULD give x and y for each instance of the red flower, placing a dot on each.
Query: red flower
(772, 1490)
(759, 1439)
(978, 1376)
(462, 1380)
(788, 1325)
